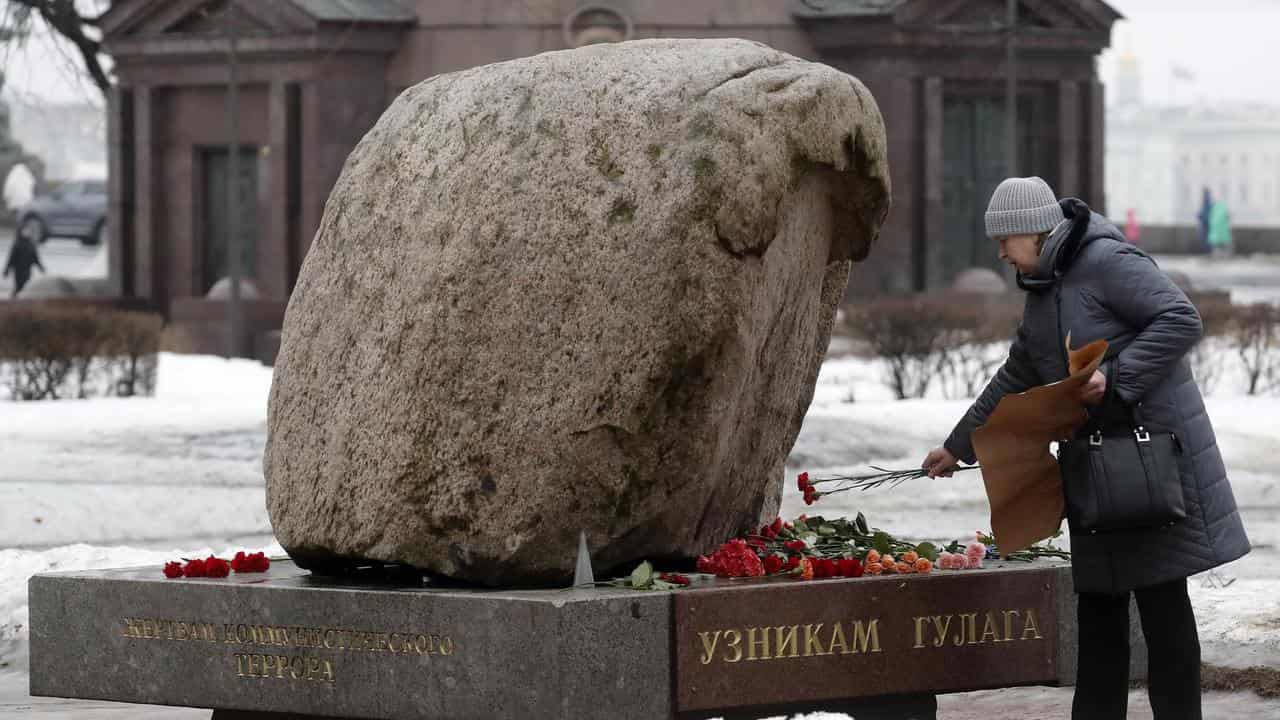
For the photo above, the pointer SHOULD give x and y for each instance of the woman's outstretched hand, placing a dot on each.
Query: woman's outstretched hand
(939, 463)
(1093, 390)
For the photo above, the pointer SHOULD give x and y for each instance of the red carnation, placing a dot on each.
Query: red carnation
(674, 578)
(253, 562)
(734, 559)
(802, 481)
(173, 570)
(776, 527)
(793, 561)
(216, 567)
(194, 568)
(824, 567)
(810, 495)
(797, 545)
(851, 568)
(772, 564)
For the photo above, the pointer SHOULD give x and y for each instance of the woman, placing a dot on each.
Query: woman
(1081, 278)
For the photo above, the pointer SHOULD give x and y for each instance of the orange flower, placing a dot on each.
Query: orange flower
(923, 565)
(873, 568)
(873, 556)
(905, 568)
(910, 557)
(889, 567)
(806, 569)
(887, 560)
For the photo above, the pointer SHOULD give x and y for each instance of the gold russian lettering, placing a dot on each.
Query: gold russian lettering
(989, 628)
(297, 668)
(762, 642)
(328, 671)
(735, 644)
(940, 629)
(446, 645)
(866, 636)
(837, 638)
(709, 642)
(812, 640)
(788, 641)
(1008, 624)
(1031, 626)
(970, 623)
(919, 620)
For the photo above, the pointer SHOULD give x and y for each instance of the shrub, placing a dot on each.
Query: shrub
(1255, 335)
(56, 351)
(942, 338)
(1206, 358)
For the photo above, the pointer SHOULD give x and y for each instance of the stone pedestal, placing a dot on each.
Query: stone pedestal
(286, 644)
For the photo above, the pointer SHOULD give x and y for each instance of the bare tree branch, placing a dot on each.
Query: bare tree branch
(64, 19)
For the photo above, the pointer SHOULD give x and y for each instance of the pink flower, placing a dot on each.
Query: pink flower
(951, 561)
(973, 563)
(975, 550)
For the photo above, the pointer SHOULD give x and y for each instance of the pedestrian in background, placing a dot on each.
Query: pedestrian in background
(1220, 229)
(1081, 277)
(22, 256)
(1202, 219)
(1132, 231)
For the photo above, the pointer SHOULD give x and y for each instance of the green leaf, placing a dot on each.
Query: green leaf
(882, 542)
(642, 576)
(664, 585)
(927, 550)
(810, 539)
(826, 530)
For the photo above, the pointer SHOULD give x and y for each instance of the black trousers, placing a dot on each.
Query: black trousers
(1173, 665)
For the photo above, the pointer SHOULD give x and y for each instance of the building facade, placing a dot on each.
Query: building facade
(316, 74)
(1161, 159)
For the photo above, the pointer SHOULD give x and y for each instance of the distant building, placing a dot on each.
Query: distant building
(70, 138)
(316, 74)
(1160, 158)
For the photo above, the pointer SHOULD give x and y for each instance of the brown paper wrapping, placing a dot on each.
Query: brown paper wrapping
(1024, 487)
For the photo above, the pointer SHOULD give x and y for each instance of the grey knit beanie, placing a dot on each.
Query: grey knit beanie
(1022, 206)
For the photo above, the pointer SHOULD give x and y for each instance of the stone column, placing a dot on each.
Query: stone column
(119, 185)
(1097, 147)
(1069, 145)
(273, 249)
(144, 145)
(314, 192)
(932, 220)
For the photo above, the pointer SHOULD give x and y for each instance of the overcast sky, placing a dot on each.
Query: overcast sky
(1230, 46)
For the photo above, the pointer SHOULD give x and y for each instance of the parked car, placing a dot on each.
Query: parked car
(73, 209)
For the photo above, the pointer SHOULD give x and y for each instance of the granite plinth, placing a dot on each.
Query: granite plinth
(288, 644)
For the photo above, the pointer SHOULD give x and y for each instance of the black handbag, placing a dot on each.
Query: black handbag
(1122, 480)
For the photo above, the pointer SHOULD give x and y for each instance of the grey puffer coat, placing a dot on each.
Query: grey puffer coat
(1107, 289)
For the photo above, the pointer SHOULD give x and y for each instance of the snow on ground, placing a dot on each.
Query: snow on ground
(186, 463)
(1249, 278)
(144, 480)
